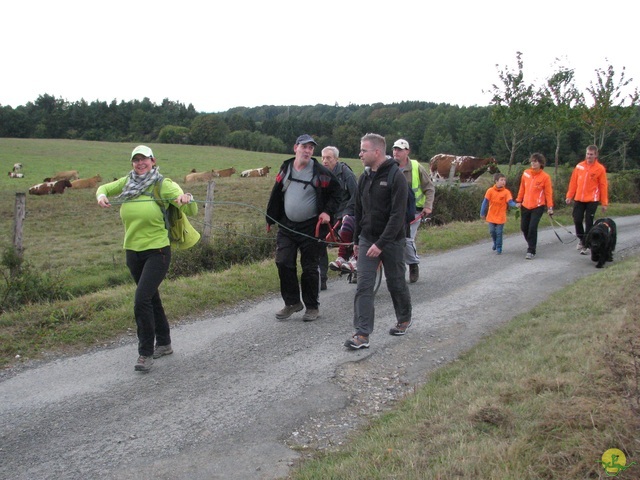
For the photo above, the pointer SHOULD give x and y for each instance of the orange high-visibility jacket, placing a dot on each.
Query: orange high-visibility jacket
(498, 200)
(589, 183)
(535, 189)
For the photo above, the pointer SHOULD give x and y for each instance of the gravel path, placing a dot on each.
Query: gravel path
(245, 396)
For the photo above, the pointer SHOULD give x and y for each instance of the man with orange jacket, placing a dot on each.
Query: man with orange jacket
(588, 188)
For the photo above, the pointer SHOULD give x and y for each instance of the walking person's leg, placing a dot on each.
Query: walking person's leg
(578, 214)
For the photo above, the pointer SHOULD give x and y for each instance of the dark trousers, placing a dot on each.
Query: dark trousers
(287, 246)
(392, 258)
(583, 215)
(148, 268)
(529, 220)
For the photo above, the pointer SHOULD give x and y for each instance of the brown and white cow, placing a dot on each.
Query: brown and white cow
(68, 175)
(256, 172)
(17, 167)
(86, 182)
(200, 176)
(466, 168)
(16, 175)
(227, 172)
(48, 188)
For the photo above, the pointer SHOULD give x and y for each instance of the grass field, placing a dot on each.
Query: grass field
(527, 403)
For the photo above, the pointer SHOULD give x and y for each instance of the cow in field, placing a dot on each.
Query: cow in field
(48, 188)
(16, 175)
(68, 175)
(227, 172)
(256, 172)
(86, 182)
(467, 168)
(200, 176)
(17, 167)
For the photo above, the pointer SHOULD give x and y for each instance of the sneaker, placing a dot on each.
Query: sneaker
(162, 350)
(310, 315)
(584, 251)
(414, 273)
(400, 328)
(357, 341)
(580, 246)
(323, 284)
(288, 310)
(143, 364)
(499, 252)
(350, 266)
(529, 256)
(337, 265)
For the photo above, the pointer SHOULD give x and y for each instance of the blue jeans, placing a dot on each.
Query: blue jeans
(495, 230)
(392, 258)
(148, 268)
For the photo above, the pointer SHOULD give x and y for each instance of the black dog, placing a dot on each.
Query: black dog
(601, 239)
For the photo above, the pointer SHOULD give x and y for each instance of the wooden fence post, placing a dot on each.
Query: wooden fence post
(18, 219)
(208, 212)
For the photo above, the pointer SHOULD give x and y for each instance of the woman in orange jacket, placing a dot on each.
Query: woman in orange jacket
(588, 188)
(534, 196)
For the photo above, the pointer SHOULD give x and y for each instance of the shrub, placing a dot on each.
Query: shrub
(624, 187)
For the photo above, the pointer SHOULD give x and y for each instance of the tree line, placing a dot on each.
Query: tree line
(553, 118)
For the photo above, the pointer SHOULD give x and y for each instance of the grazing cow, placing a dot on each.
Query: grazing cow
(227, 172)
(68, 175)
(16, 175)
(256, 172)
(467, 168)
(86, 182)
(17, 167)
(47, 188)
(200, 176)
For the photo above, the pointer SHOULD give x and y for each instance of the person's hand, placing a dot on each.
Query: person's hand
(324, 217)
(604, 208)
(568, 201)
(425, 212)
(103, 201)
(374, 251)
(184, 199)
(550, 211)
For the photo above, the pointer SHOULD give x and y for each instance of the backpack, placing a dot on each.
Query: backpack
(410, 214)
(182, 235)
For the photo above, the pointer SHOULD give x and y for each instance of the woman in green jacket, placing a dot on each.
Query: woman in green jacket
(147, 246)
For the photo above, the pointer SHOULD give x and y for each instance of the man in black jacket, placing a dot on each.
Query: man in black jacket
(304, 193)
(381, 204)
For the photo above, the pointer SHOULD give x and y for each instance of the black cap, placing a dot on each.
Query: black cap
(302, 139)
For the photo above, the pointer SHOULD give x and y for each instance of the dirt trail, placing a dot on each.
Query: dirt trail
(242, 388)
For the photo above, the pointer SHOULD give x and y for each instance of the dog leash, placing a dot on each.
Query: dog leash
(551, 220)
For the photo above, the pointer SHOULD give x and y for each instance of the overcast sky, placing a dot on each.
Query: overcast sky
(222, 54)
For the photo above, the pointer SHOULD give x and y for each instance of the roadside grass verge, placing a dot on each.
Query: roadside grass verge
(542, 398)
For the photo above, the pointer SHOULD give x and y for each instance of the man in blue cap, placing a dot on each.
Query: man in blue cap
(304, 193)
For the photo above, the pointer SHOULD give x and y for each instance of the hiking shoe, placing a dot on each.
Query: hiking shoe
(584, 251)
(162, 350)
(529, 256)
(400, 328)
(143, 364)
(310, 315)
(323, 284)
(357, 341)
(414, 273)
(337, 265)
(288, 310)
(351, 265)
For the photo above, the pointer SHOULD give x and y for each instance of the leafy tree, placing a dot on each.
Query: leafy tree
(515, 104)
(209, 129)
(174, 134)
(603, 117)
(561, 97)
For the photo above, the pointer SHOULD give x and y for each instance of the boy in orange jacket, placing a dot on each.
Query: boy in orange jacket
(588, 188)
(494, 208)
